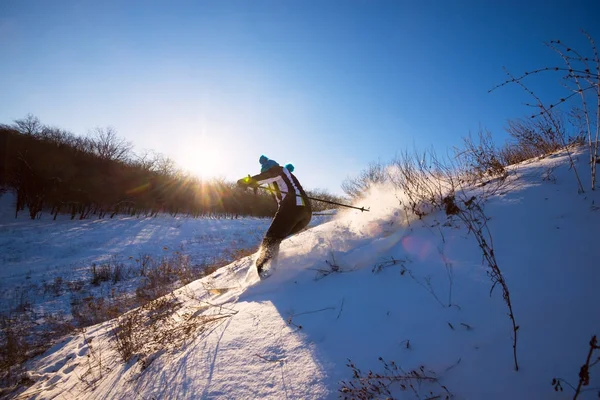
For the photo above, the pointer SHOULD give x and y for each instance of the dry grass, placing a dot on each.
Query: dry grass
(104, 296)
(383, 385)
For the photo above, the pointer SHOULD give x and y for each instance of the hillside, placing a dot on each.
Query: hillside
(373, 289)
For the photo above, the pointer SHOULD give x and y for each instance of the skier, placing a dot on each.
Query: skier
(293, 212)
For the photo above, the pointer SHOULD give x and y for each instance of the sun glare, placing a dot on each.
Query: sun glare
(201, 160)
(206, 163)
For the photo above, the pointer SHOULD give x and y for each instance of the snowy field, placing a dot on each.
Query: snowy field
(364, 292)
(35, 254)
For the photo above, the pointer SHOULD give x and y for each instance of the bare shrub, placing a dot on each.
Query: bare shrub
(100, 273)
(32, 333)
(581, 75)
(113, 271)
(355, 187)
(450, 205)
(151, 328)
(430, 184)
(372, 385)
(157, 281)
(183, 269)
(511, 154)
(143, 261)
(481, 157)
(424, 180)
(474, 218)
(161, 276)
(57, 325)
(25, 334)
(56, 287)
(380, 266)
(584, 372)
(13, 345)
(332, 267)
(117, 272)
(90, 310)
(542, 135)
(125, 332)
(95, 368)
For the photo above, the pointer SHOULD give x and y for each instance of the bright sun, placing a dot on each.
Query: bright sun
(207, 163)
(201, 161)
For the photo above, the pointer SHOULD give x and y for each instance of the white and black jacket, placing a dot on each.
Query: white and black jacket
(283, 185)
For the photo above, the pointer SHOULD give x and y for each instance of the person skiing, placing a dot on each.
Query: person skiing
(293, 207)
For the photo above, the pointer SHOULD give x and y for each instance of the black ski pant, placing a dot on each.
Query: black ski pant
(289, 220)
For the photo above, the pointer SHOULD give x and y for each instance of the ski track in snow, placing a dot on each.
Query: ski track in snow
(290, 336)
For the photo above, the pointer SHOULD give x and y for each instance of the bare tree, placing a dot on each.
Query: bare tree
(30, 125)
(147, 160)
(150, 160)
(108, 146)
(164, 165)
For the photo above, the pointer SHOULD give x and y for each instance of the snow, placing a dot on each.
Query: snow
(388, 295)
(38, 252)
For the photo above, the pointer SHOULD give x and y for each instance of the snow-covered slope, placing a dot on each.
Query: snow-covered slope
(364, 287)
(37, 253)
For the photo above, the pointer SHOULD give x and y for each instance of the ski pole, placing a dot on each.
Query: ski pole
(321, 200)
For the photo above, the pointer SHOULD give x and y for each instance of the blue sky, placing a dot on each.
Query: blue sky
(327, 85)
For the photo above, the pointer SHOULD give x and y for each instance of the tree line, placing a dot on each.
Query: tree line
(99, 175)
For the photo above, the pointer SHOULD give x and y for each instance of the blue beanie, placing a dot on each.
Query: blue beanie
(266, 163)
(289, 167)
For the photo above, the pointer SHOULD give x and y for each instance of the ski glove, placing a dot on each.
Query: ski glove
(247, 182)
